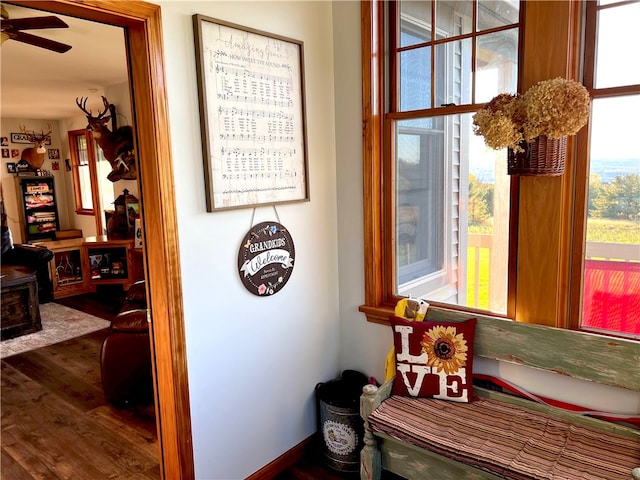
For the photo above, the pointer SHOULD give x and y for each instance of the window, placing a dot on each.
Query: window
(89, 166)
(449, 211)
(424, 194)
(610, 254)
(82, 151)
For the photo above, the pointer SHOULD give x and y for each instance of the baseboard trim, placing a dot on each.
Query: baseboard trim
(284, 461)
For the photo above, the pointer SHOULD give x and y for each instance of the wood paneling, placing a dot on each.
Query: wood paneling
(545, 202)
(372, 115)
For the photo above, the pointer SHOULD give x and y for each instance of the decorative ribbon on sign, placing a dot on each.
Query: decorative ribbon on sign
(266, 256)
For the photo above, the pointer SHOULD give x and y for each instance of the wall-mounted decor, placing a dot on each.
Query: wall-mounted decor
(34, 156)
(53, 153)
(4, 141)
(116, 144)
(22, 166)
(15, 153)
(5, 153)
(265, 259)
(24, 138)
(55, 165)
(251, 90)
(11, 167)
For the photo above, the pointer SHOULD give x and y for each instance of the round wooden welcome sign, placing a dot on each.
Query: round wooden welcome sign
(265, 260)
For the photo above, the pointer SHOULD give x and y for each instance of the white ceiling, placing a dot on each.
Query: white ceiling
(41, 84)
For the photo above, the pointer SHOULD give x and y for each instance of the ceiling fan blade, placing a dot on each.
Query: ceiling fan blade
(39, 41)
(33, 23)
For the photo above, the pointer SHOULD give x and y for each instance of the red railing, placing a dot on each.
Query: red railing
(611, 296)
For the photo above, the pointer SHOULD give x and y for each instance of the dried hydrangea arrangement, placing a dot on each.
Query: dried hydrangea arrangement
(554, 108)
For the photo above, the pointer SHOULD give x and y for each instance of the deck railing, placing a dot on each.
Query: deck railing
(611, 297)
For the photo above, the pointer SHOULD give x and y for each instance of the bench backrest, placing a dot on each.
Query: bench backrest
(597, 358)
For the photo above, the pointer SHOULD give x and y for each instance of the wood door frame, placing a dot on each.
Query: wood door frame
(143, 30)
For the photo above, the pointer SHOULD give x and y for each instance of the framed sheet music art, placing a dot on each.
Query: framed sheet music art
(252, 115)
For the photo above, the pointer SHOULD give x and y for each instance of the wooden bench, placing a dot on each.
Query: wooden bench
(596, 358)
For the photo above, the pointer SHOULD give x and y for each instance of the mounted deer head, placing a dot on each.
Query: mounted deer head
(34, 156)
(117, 146)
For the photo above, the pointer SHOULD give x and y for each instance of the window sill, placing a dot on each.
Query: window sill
(85, 212)
(382, 314)
(379, 315)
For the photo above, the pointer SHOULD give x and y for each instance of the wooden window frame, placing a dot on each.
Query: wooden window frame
(543, 255)
(582, 165)
(75, 166)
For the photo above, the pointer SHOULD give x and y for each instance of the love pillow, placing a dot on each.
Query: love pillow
(434, 359)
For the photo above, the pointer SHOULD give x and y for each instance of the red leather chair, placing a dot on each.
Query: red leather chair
(126, 353)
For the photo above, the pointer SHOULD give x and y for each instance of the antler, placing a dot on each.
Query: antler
(45, 135)
(32, 136)
(82, 105)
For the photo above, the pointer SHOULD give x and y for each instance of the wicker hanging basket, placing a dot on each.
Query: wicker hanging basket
(542, 156)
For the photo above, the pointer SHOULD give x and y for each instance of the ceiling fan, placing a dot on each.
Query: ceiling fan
(11, 29)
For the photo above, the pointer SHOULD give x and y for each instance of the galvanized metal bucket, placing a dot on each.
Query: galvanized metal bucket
(339, 421)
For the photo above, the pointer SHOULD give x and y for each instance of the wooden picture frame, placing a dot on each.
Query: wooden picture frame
(252, 114)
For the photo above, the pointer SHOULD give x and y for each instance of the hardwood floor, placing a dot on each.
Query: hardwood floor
(56, 423)
(104, 302)
(313, 467)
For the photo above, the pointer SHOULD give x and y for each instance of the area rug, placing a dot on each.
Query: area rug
(59, 323)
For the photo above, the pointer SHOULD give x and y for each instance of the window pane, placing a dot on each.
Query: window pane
(492, 14)
(419, 198)
(611, 297)
(415, 79)
(454, 87)
(618, 41)
(81, 145)
(84, 175)
(85, 187)
(451, 214)
(496, 64)
(106, 189)
(454, 17)
(415, 25)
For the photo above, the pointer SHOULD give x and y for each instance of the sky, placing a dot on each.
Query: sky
(615, 121)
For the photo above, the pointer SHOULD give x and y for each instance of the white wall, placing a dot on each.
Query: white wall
(253, 362)
(364, 344)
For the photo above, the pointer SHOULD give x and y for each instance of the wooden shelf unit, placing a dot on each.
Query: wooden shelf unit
(80, 265)
(37, 200)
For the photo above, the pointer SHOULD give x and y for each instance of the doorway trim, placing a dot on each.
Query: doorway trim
(143, 31)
